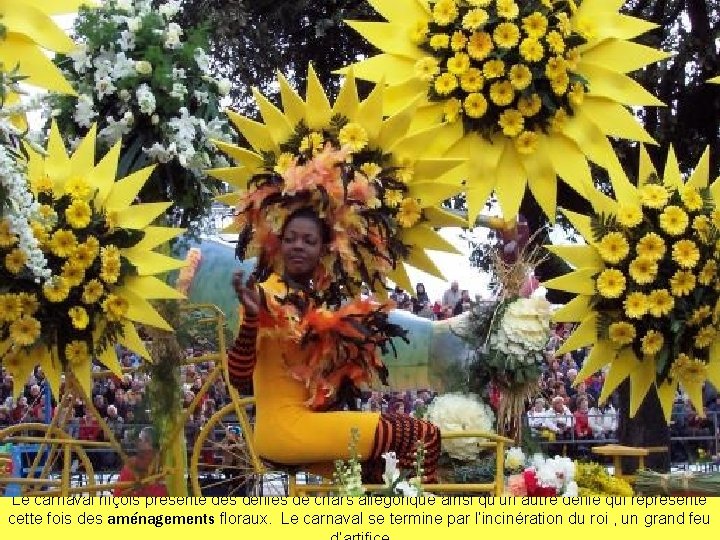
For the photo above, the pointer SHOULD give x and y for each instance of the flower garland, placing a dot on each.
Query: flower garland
(648, 285)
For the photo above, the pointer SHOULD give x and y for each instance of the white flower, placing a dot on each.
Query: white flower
(178, 73)
(84, 111)
(391, 473)
(104, 87)
(126, 41)
(170, 9)
(224, 87)
(172, 36)
(146, 99)
(129, 117)
(406, 489)
(114, 131)
(457, 412)
(571, 490)
(202, 60)
(124, 94)
(124, 5)
(157, 152)
(202, 97)
(178, 91)
(123, 66)
(155, 119)
(134, 24)
(143, 67)
(80, 58)
(514, 458)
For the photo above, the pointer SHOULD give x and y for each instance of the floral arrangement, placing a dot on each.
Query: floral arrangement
(514, 459)
(98, 249)
(187, 273)
(593, 479)
(143, 78)
(545, 477)
(376, 187)
(520, 83)
(348, 476)
(648, 286)
(457, 412)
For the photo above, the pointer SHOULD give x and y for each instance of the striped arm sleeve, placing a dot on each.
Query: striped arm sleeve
(243, 355)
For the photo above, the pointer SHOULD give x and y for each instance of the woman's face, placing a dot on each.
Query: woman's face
(301, 247)
(420, 289)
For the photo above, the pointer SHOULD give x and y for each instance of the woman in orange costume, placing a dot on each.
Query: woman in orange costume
(287, 431)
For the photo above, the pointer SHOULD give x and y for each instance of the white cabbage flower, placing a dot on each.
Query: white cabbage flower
(514, 458)
(458, 412)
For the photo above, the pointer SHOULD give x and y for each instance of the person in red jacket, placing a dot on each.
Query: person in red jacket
(139, 467)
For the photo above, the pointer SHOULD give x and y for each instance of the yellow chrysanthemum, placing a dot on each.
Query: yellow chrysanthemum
(532, 50)
(691, 198)
(78, 214)
(445, 84)
(556, 67)
(520, 77)
(83, 256)
(674, 220)
(622, 333)
(10, 307)
(371, 170)
(440, 41)
(555, 42)
(56, 289)
(458, 41)
(15, 261)
(502, 93)
(643, 270)
(699, 315)
(688, 370)
(79, 317)
(635, 305)
(472, 80)
(682, 283)
(475, 105)
(614, 247)
(494, 69)
(353, 136)
(560, 83)
(458, 64)
(78, 188)
(475, 19)
(28, 303)
(660, 303)
(686, 253)
(393, 197)
(452, 109)
(480, 45)
(654, 196)
(529, 106)
(511, 122)
(507, 9)
(651, 246)
(652, 343)
(7, 238)
(110, 271)
(535, 25)
(92, 292)
(705, 337)
(445, 12)
(25, 331)
(418, 33)
(629, 215)
(63, 243)
(527, 142)
(611, 283)
(701, 225)
(708, 272)
(115, 307)
(73, 273)
(314, 142)
(77, 353)
(576, 96)
(426, 68)
(506, 35)
(409, 213)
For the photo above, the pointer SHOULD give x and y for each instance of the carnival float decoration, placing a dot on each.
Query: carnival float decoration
(531, 90)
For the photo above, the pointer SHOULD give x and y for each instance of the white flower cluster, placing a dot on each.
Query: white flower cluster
(405, 488)
(458, 412)
(557, 472)
(120, 74)
(22, 208)
(524, 330)
(515, 459)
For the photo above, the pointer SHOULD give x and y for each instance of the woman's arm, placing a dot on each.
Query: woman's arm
(243, 355)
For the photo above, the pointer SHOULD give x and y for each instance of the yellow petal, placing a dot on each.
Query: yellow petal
(57, 164)
(542, 179)
(102, 177)
(257, 134)
(347, 102)
(154, 236)
(400, 277)
(395, 70)
(141, 311)
(83, 159)
(579, 256)
(125, 191)
(615, 120)
(581, 223)
(39, 71)
(603, 353)
(575, 310)
(591, 140)
(695, 393)
(420, 260)
(425, 238)
(235, 176)
(83, 372)
(292, 103)
(61, 7)
(140, 216)
(21, 372)
(26, 19)
(370, 113)
(627, 27)
(433, 169)
(396, 127)
(620, 370)
(622, 56)
(585, 334)
(641, 381)
(318, 108)
(579, 282)
(398, 96)
(230, 199)
(432, 193)
(388, 37)
(131, 340)
(672, 176)
(437, 217)
(402, 10)
(570, 163)
(109, 359)
(713, 369)
(510, 182)
(701, 175)
(50, 363)
(646, 166)
(616, 86)
(277, 123)
(151, 288)
(666, 395)
(150, 263)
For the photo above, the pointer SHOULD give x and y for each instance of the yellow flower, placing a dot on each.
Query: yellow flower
(529, 106)
(622, 333)
(393, 197)
(686, 253)
(371, 170)
(78, 188)
(611, 283)
(705, 337)
(643, 270)
(527, 142)
(564, 23)
(284, 162)
(701, 225)
(79, 317)
(472, 80)
(480, 45)
(313, 142)
(110, 270)
(15, 261)
(682, 283)
(653, 196)
(115, 307)
(660, 303)
(92, 291)
(494, 69)
(708, 272)
(691, 198)
(7, 238)
(699, 315)
(409, 213)
(651, 246)
(502, 93)
(418, 33)
(63, 243)
(76, 353)
(445, 84)
(353, 136)
(475, 105)
(440, 41)
(716, 218)
(635, 305)
(614, 247)
(474, 19)
(458, 41)
(531, 50)
(560, 84)
(511, 122)
(507, 9)
(426, 68)
(573, 58)
(25, 331)
(93, 245)
(652, 343)
(557, 124)
(458, 64)
(73, 274)
(28, 303)
(629, 215)
(78, 214)
(688, 370)
(674, 220)
(520, 76)
(535, 25)
(10, 307)
(42, 184)
(576, 95)
(556, 67)
(56, 289)
(479, 3)
(506, 35)
(445, 12)
(555, 41)
(452, 109)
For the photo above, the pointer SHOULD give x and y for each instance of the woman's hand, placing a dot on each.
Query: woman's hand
(247, 294)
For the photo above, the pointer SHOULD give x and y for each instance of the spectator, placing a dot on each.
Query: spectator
(451, 297)
(464, 304)
(537, 416)
(4, 417)
(139, 467)
(437, 311)
(560, 418)
(401, 298)
(582, 424)
(421, 301)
